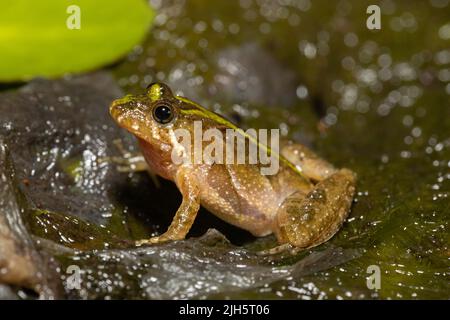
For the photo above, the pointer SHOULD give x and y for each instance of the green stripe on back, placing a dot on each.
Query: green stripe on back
(203, 112)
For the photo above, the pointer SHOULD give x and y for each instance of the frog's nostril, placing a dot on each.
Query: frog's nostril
(113, 107)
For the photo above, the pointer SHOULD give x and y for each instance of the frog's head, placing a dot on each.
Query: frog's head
(153, 117)
(150, 116)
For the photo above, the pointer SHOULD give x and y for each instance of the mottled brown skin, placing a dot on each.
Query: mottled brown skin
(304, 204)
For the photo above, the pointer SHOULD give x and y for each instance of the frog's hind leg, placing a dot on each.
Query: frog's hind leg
(305, 222)
(308, 161)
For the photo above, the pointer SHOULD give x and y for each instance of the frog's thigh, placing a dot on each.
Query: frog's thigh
(311, 164)
(306, 222)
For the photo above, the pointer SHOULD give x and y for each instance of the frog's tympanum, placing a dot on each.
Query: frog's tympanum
(303, 204)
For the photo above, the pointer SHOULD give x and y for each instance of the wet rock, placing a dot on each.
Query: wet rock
(53, 186)
(195, 268)
(56, 131)
(21, 265)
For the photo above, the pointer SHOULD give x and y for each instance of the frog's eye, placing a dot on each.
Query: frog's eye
(163, 113)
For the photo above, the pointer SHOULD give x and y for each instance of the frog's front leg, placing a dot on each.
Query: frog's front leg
(130, 162)
(186, 213)
(305, 222)
(127, 161)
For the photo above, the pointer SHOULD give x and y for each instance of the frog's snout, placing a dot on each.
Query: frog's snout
(116, 110)
(129, 114)
(122, 111)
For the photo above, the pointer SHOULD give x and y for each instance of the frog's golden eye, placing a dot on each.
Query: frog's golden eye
(163, 113)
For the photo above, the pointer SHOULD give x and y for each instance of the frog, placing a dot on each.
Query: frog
(303, 204)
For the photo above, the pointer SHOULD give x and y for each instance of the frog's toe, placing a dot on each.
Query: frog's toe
(140, 243)
(150, 241)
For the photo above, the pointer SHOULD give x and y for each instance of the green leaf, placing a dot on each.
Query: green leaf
(35, 39)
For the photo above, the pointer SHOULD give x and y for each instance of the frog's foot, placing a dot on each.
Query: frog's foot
(276, 250)
(170, 235)
(305, 222)
(153, 240)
